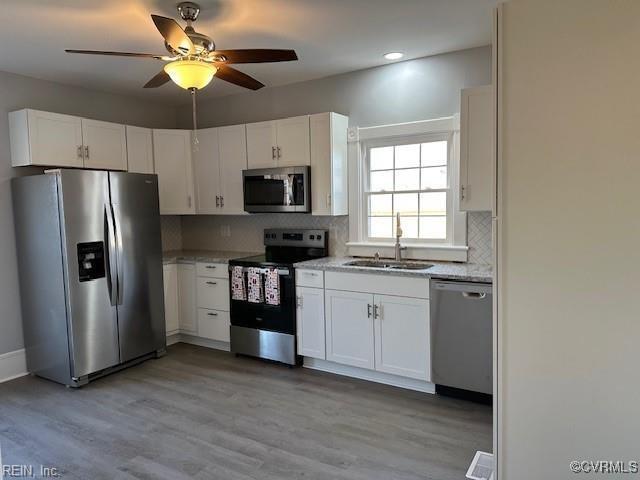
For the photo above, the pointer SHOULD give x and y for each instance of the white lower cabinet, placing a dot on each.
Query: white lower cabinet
(401, 335)
(213, 324)
(349, 328)
(213, 293)
(170, 277)
(187, 298)
(310, 322)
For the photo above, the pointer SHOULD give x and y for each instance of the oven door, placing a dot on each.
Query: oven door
(277, 190)
(276, 318)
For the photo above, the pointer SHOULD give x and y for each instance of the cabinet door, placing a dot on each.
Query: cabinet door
(213, 324)
(172, 158)
(54, 139)
(476, 151)
(206, 167)
(139, 150)
(213, 293)
(402, 336)
(261, 143)
(349, 329)
(170, 276)
(233, 160)
(105, 145)
(187, 297)
(310, 322)
(293, 142)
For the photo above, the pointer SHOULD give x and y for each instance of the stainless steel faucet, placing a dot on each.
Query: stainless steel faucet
(399, 247)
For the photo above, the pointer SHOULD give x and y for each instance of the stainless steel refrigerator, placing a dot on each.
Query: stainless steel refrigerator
(90, 268)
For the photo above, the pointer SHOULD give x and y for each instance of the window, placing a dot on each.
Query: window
(408, 176)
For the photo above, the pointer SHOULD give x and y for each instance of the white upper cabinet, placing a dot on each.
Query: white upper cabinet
(232, 142)
(476, 150)
(402, 336)
(105, 145)
(46, 139)
(172, 158)
(206, 165)
(56, 140)
(293, 147)
(279, 143)
(261, 145)
(329, 168)
(139, 149)
(218, 165)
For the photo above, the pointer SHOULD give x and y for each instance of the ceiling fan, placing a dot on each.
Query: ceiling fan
(193, 58)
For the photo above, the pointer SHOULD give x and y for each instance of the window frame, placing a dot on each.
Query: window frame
(367, 193)
(359, 138)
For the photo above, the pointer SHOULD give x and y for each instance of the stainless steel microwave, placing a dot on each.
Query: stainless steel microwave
(285, 189)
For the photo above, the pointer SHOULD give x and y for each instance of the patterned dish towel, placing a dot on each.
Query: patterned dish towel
(238, 289)
(272, 287)
(254, 280)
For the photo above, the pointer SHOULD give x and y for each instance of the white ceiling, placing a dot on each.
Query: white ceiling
(330, 37)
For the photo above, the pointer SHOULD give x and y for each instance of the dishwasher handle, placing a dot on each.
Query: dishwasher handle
(474, 295)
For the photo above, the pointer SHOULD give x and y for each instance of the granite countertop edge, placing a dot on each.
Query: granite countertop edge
(211, 256)
(470, 272)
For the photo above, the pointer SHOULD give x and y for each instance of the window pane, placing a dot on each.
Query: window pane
(433, 203)
(381, 181)
(433, 227)
(434, 177)
(409, 227)
(381, 158)
(380, 227)
(405, 204)
(408, 179)
(434, 153)
(408, 156)
(380, 205)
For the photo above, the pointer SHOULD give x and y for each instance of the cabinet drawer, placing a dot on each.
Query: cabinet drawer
(213, 293)
(378, 284)
(213, 324)
(213, 270)
(310, 278)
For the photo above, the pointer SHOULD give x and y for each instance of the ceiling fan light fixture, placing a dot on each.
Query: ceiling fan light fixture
(190, 74)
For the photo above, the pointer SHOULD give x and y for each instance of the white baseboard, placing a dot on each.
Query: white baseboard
(200, 341)
(369, 375)
(13, 365)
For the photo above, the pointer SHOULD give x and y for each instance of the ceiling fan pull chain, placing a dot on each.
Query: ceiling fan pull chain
(195, 120)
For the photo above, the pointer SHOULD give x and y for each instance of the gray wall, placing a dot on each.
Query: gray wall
(18, 92)
(400, 92)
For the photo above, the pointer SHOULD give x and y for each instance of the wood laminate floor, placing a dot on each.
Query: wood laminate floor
(203, 414)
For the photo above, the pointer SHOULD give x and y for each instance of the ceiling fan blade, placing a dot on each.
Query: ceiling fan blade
(118, 54)
(256, 55)
(173, 34)
(236, 77)
(160, 79)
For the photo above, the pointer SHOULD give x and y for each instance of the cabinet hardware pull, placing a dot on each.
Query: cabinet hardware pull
(212, 283)
(222, 201)
(462, 187)
(217, 201)
(189, 201)
(86, 151)
(299, 301)
(273, 153)
(368, 310)
(279, 152)
(80, 151)
(211, 314)
(210, 266)
(376, 311)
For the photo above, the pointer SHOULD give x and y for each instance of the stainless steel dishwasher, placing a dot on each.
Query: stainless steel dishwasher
(461, 338)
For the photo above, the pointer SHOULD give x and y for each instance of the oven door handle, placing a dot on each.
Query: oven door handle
(283, 272)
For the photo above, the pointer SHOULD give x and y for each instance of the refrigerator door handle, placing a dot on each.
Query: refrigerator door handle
(120, 253)
(110, 242)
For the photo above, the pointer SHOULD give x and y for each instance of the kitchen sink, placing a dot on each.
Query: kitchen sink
(390, 265)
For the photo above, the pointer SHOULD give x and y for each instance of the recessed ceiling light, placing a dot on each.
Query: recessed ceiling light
(393, 55)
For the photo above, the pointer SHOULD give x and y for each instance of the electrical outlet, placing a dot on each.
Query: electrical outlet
(225, 230)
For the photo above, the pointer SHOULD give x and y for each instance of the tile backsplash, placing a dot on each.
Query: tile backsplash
(245, 232)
